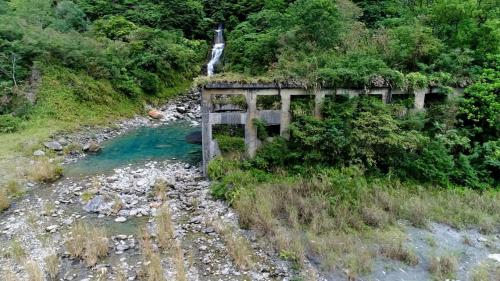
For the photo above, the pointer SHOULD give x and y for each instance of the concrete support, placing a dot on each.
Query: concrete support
(419, 98)
(319, 98)
(250, 129)
(285, 114)
(236, 115)
(206, 132)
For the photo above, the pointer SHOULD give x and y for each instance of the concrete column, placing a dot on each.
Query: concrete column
(386, 96)
(206, 130)
(285, 114)
(419, 98)
(250, 129)
(319, 98)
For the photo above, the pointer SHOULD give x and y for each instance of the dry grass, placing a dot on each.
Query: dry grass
(237, 246)
(180, 269)
(392, 246)
(45, 171)
(17, 251)
(164, 227)
(300, 216)
(375, 216)
(49, 208)
(152, 269)
(444, 267)
(33, 270)
(160, 189)
(4, 200)
(117, 205)
(52, 265)
(120, 275)
(14, 189)
(87, 242)
(9, 275)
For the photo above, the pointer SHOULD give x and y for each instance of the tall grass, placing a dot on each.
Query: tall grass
(87, 242)
(313, 215)
(45, 171)
(165, 227)
(237, 245)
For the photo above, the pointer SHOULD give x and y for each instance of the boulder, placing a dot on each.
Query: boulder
(62, 141)
(155, 114)
(54, 145)
(94, 205)
(92, 147)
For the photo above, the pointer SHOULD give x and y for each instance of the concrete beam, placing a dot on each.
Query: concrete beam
(271, 117)
(228, 118)
(221, 91)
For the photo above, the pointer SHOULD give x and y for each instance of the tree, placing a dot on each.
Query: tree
(480, 107)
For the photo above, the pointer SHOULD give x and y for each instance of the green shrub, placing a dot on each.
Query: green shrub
(261, 128)
(9, 124)
(416, 80)
(434, 164)
(230, 144)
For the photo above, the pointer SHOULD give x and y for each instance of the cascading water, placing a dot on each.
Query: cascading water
(217, 51)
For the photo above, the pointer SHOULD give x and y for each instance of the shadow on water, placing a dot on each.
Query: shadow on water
(141, 145)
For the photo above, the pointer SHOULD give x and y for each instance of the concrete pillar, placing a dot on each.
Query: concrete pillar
(250, 129)
(419, 98)
(386, 96)
(285, 114)
(319, 98)
(206, 132)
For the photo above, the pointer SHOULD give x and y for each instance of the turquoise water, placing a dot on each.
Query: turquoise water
(141, 145)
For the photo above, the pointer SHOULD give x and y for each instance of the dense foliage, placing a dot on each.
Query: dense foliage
(138, 59)
(131, 49)
(364, 43)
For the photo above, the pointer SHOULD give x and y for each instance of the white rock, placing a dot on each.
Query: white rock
(39, 153)
(495, 257)
(121, 219)
(51, 228)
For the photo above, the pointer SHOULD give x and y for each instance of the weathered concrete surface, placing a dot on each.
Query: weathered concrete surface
(214, 115)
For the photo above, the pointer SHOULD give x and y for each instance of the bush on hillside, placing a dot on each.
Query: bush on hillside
(9, 123)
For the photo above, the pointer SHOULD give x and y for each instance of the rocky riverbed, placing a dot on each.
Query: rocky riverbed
(126, 202)
(41, 223)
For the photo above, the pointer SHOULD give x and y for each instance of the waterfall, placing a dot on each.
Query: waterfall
(217, 51)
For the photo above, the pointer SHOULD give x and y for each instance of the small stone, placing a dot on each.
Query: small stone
(121, 236)
(122, 247)
(51, 228)
(54, 145)
(92, 147)
(155, 114)
(121, 219)
(39, 153)
(482, 239)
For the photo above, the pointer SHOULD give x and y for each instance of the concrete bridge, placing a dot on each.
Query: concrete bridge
(213, 114)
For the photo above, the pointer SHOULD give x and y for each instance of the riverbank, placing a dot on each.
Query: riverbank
(153, 218)
(73, 134)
